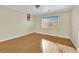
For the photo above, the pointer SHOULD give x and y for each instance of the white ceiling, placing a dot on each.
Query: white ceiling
(41, 10)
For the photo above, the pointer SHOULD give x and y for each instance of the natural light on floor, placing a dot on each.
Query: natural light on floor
(53, 47)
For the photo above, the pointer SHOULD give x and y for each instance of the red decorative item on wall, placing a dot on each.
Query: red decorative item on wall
(28, 17)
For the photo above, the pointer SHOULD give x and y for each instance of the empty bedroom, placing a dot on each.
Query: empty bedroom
(39, 28)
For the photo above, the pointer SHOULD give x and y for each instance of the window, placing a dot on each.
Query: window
(50, 22)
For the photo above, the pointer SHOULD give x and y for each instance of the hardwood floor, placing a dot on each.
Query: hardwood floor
(32, 43)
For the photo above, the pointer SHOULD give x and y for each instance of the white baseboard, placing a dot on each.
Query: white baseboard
(74, 43)
(12, 37)
(16, 36)
(54, 35)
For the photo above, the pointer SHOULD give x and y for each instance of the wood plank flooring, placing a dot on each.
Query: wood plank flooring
(32, 43)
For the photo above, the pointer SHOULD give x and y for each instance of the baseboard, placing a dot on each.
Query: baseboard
(12, 37)
(15, 36)
(55, 35)
(74, 43)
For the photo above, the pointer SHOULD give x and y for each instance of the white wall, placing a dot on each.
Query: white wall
(13, 24)
(61, 31)
(75, 25)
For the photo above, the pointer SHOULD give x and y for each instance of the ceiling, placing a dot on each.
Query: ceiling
(31, 9)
